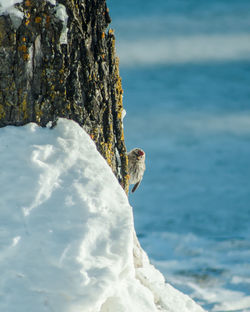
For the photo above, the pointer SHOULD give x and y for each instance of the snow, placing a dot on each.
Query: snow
(52, 2)
(5, 4)
(66, 230)
(63, 16)
(7, 7)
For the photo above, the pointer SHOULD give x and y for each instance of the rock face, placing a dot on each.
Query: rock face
(57, 59)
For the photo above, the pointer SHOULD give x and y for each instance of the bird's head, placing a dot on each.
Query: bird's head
(139, 153)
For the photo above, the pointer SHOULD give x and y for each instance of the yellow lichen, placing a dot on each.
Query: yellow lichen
(122, 135)
(38, 115)
(22, 48)
(26, 56)
(22, 110)
(111, 31)
(27, 19)
(119, 109)
(38, 19)
(24, 107)
(2, 111)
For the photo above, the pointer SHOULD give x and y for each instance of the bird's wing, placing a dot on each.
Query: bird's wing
(135, 186)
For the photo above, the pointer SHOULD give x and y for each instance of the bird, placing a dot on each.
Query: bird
(136, 167)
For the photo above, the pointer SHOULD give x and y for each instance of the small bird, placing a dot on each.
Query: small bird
(136, 167)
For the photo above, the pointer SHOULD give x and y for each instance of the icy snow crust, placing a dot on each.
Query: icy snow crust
(66, 230)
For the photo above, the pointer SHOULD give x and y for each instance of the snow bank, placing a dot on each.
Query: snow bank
(66, 230)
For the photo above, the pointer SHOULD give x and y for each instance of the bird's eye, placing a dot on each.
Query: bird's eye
(140, 153)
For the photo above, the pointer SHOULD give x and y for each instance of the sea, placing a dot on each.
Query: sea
(185, 68)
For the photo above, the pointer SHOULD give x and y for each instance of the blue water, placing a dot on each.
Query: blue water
(185, 68)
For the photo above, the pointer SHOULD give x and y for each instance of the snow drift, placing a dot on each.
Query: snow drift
(66, 232)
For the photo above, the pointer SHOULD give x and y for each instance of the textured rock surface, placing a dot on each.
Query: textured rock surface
(59, 61)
